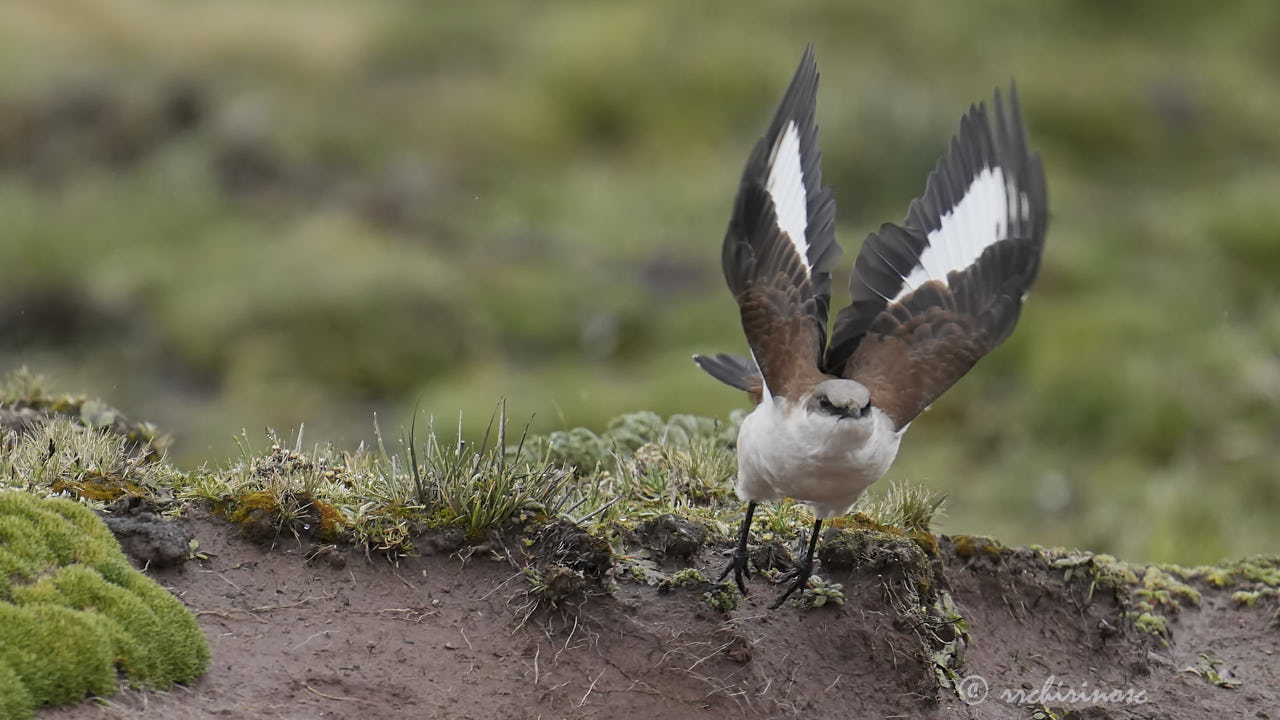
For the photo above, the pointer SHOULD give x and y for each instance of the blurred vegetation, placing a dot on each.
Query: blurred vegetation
(236, 214)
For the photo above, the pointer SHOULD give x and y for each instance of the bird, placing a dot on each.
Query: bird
(929, 298)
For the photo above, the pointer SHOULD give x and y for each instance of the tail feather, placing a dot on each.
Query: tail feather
(733, 370)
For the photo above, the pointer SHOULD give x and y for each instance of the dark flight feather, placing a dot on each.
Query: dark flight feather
(909, 336)
(783, 295)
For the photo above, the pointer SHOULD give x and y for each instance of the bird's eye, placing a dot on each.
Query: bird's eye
(827, 407)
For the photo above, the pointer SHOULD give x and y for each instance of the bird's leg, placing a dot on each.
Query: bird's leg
(739, 563)
(801, 572)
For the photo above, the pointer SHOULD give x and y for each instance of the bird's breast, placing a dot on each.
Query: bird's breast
(815, 458)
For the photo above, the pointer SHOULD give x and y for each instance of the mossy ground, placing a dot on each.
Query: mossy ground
(74, 613)
(635, 503)
(1150, 594)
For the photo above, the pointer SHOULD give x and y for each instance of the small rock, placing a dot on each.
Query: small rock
(563, 543)
(772, 555)
(673, 537)
(151, 540)
(329, 555)
(444, 541)
(739, 650)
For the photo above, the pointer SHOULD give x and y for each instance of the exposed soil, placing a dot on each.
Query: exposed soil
(314, 631)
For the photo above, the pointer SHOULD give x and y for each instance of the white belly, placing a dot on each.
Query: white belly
(813, 458)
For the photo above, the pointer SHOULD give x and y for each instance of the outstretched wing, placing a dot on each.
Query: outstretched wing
(934, 295)
(780, 245)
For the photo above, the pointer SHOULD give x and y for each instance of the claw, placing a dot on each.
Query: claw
(740, 565)
(800, 574)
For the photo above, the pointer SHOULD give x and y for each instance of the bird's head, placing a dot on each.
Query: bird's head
(841, 399)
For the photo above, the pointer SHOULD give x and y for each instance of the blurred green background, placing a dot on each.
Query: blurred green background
(240, 214)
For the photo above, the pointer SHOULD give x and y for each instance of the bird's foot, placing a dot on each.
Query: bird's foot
(739, 564)
(798, 576)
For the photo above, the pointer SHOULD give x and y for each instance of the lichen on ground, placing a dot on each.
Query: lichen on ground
(1152, 594)
(73, 612)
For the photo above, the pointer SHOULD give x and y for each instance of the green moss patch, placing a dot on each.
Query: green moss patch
(74, 613)
(978, 546)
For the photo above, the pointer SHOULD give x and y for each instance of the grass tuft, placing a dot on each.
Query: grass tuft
(478, 487)
(57, 454)
(906, 506)
(381, 496)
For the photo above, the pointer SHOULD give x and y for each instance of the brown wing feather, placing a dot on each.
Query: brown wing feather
(908, 346)
(920, 346)
(907, 360)
(786, 342)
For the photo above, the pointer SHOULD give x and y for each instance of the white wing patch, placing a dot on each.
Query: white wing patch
(978, 221)
(786, 188)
